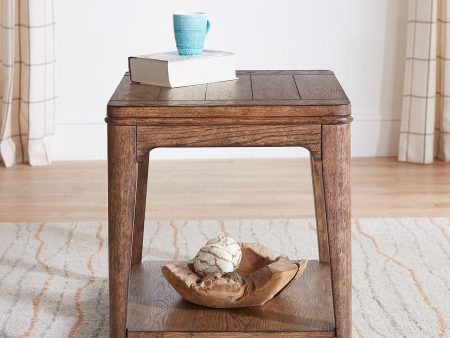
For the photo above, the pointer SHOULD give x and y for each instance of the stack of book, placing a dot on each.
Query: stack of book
(173, 70)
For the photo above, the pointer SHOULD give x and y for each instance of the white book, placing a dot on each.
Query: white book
(173, 70)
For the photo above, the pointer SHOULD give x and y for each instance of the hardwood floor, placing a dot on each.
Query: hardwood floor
(222, 189)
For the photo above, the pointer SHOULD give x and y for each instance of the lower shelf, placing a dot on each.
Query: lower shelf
(155, 310)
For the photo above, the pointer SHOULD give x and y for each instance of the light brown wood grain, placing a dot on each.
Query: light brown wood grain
(274, 87)
(336, 185)
(183, 93)
(319, 207)
(318, 86)
(195, 121)
(307, 136)
(282, 91)
(230, 334)
(256, 93)
(305, 308)
(127, 89)
(139, 217)
(240, 89)
(122, 176)
(73, 191)
(243, 108)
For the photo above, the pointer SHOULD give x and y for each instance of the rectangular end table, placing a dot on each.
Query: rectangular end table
(262, 108)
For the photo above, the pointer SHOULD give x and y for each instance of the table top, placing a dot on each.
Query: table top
(255, 93)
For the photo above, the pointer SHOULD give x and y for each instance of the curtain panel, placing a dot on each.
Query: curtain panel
(425, 121)
(27, 88)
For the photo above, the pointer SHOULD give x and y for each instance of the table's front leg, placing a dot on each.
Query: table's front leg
(122, 176)
(336, 179)
(139, 214)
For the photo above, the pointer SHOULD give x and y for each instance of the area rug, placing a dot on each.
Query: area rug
(53, 277)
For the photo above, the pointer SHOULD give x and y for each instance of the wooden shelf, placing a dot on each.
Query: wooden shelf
(155, 310)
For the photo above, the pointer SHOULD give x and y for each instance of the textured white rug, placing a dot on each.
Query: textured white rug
(53, 277)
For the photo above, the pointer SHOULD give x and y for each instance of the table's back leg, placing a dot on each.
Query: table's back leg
(122, 176)
(319, 205)
(336, 181)
(139, 218)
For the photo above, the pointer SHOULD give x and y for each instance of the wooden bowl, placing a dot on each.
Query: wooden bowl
(259, 278)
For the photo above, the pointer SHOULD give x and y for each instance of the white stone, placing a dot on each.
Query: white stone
(221, 254)
(230, 245)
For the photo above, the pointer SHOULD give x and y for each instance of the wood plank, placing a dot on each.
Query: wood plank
(307, 136)
(319, 87)
(240, 89)
(155, 307)
(127, 90)
(274, 87)
(183, 93)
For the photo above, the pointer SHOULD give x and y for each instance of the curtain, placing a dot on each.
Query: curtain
(425, 121)
(27, 88)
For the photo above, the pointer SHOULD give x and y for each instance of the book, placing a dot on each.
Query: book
(173, 70)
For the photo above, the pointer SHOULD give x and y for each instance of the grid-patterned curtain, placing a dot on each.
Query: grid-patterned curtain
(27, 87)
(425, 123)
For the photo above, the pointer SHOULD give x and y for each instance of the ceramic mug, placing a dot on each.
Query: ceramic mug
(190, 31)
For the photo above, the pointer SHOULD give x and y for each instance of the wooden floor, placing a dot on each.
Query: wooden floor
(222, 189)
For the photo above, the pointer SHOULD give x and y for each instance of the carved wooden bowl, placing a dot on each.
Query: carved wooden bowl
(259, 278)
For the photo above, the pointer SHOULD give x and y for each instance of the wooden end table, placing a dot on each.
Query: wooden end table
(263, 108)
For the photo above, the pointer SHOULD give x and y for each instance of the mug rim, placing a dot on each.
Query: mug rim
(189, 13)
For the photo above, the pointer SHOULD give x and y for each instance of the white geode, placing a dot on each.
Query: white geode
(221, 254)
(230, 245)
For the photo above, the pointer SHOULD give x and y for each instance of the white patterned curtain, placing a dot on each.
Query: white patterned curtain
(425, 123)
(27, 87)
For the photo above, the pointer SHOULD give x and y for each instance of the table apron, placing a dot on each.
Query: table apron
(306, 136)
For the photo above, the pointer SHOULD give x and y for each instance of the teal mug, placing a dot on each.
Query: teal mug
(190, 31)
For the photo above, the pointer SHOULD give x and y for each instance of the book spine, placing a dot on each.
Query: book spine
(129, 67)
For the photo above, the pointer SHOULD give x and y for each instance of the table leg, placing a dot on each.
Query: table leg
(122, 176)
(319, 205)
(139, 218)
(336, 179)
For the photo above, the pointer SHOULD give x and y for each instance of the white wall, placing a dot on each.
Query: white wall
(363, 41)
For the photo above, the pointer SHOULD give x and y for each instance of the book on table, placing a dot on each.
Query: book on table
(173, 70)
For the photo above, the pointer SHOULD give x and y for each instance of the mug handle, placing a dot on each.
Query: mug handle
(208, 25)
